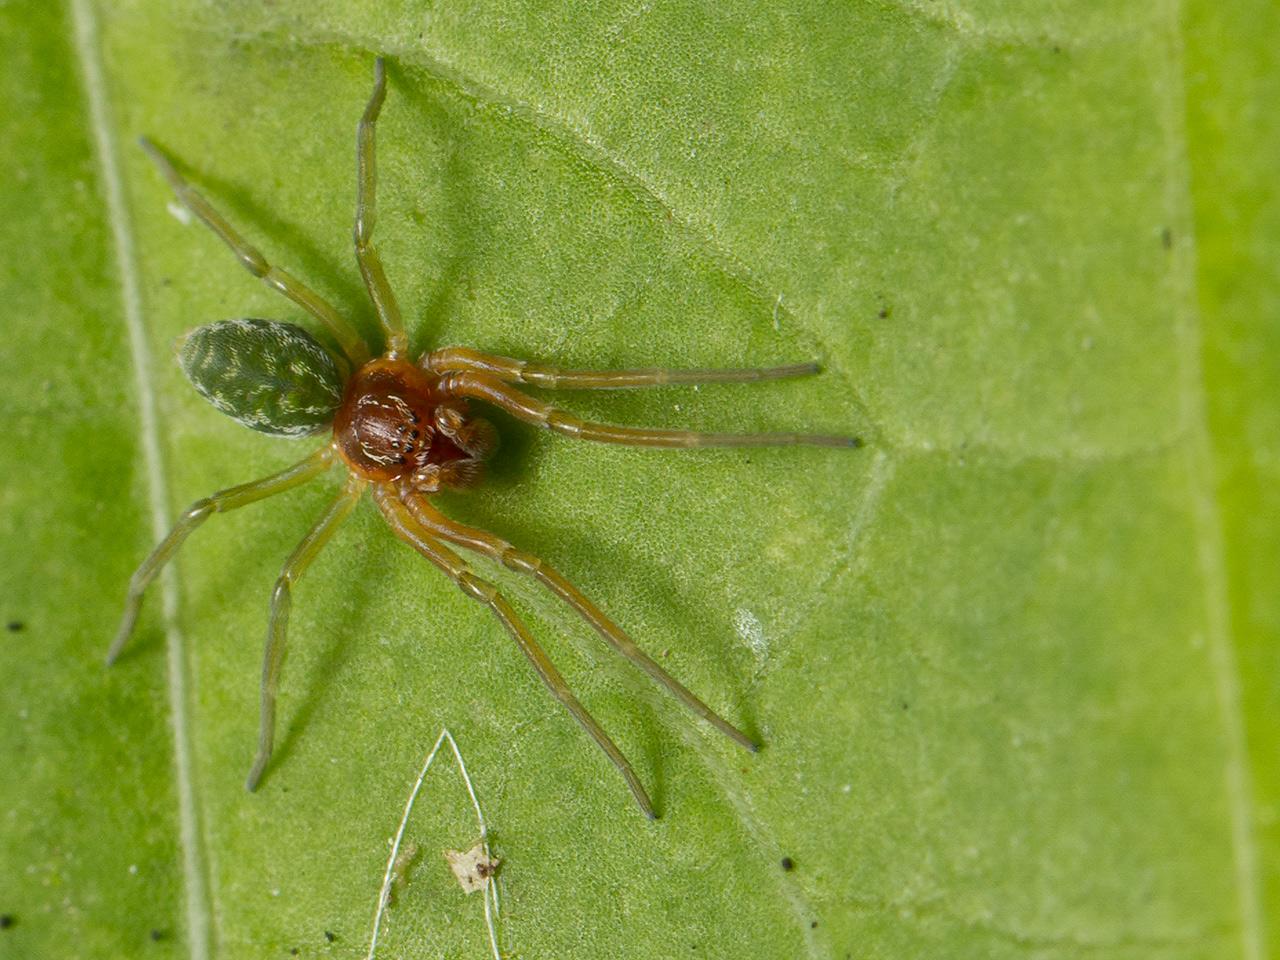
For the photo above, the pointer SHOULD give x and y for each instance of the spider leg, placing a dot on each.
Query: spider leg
(198, 513)
(481, 541)
(375, 278)
(252, 259)
(524, 407)
(408, 529)
(466, 360)
(278, 624)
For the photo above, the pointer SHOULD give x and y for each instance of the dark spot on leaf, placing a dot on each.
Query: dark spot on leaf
(1166, 238)
(15, 626)
(905, 705)
(6, 921)
(813, 925)
(330, 936)
(156, 936)
(788, 864)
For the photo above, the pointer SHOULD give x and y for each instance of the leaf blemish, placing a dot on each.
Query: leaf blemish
(751, 630)
(404, 863)
(474, 868)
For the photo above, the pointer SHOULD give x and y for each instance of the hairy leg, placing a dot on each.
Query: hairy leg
(524, 407)
(375, 278)
(278, 624)
(198, 513)
(466, 360)
(481, 541)
(280, 280)
(408, 529)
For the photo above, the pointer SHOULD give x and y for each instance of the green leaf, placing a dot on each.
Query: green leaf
(1014, 662)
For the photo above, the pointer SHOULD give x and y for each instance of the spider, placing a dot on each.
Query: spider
(402, 430)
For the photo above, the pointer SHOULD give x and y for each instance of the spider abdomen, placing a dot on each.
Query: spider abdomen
(385, 426)
(272, 377)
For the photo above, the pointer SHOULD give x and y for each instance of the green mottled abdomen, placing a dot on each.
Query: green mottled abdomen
(272, 377)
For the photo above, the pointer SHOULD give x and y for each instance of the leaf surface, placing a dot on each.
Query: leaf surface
(1014, 662)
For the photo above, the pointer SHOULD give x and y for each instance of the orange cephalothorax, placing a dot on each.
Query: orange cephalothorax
(395, 424)
(386, 423)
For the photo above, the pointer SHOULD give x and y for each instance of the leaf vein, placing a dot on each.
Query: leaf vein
(87, 50)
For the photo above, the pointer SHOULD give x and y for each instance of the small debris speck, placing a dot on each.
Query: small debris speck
(330, 936)
(788, 864)
(813, 925)
(1166, 238)
(473, 868)
(156, 936)
(15, 626)
(178, 212)
(6, 921)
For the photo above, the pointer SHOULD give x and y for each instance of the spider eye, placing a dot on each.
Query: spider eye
(272, 377)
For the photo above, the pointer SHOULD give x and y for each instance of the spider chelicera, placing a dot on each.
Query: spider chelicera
(403, 430)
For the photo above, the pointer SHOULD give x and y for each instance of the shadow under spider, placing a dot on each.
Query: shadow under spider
(338, 635)
(439, 116)
(663, 601)
(292, 243)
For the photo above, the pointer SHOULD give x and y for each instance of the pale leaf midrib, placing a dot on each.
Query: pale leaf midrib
(85, 42)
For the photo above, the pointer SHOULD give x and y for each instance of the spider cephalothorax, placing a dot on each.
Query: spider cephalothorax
(402, 431)
(394, 424)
